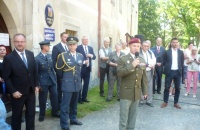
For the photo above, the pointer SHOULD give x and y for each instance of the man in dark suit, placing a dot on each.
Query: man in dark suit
(88, 56)
(158, 51)
(47, 80)
(69, 66)
(20, 76)
(173, 60)
(58, 49)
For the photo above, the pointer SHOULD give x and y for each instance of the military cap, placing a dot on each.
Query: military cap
(134, 40)
(45, 43)
(72, 40)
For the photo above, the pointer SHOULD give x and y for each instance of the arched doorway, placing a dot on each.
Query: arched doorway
(3, 29)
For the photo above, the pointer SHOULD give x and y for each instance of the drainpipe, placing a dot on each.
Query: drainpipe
(99, 29)
(131, 20)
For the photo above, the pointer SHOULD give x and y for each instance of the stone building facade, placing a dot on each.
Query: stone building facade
(93, 18)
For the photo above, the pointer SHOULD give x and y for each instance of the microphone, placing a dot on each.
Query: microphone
(136, 54)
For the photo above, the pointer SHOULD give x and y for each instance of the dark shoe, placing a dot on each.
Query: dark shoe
(140, 104)
(41, 119)
(177, 106)
(102, 95)
(150, 104)
(164, 105)
(85, 100)
(108, 100)
(75, 122)
(56, 115)
(154, 92)
(159, 92)
(118, 99)
(80, 102)
(65, 128)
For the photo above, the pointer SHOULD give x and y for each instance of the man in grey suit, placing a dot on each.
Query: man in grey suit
(58, 49)
(69, 66)
(47, 80)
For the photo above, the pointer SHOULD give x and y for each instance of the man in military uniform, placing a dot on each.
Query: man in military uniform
(47, 80)
(132, 70)
(69, 69)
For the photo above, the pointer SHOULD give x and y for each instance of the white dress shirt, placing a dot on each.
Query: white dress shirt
(150, 59)
(101, 52)
(64, 46)
(19, 53)
(174, 59)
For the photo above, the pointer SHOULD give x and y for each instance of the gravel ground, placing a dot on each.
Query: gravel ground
(149, 118)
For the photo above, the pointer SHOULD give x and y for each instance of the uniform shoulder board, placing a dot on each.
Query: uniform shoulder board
(79, 53)
(63, 53)
(122, 56)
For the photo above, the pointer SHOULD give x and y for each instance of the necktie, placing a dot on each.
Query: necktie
(24, 60)
(146, 58)
(74, 57)
(86, 50)
(46, 57)
(158, 49)
(66, 48)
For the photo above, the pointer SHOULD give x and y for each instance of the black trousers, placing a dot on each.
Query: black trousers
(103, 72)
(85, 78)
(17, 107)
(174, 75)
(53, 98)
(59, 83)
(158, 78)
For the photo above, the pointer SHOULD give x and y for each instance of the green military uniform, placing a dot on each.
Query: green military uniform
(133, 81)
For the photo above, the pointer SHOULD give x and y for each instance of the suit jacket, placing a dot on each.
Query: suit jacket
(81, 50)
(57, 49)
(133, 79)
(69, 70)
(158, 55)
(45, 70)
(167, 61)
(16, 76)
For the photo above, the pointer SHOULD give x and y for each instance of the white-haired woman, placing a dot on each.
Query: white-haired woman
(193, 70)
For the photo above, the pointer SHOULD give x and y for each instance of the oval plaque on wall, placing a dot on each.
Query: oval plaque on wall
(49, 15)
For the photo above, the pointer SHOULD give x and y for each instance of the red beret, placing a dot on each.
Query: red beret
(134, 40)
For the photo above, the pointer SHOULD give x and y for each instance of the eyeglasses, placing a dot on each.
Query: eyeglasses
(19, 41)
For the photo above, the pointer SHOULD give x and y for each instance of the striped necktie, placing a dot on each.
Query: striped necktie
(24, 60)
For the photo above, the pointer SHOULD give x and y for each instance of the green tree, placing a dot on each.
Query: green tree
(148, 20)
(183, 18)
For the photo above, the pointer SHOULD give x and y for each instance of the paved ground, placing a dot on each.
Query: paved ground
(149, 118)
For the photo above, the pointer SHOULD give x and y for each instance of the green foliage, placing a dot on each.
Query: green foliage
(148, 21)
(170, 18)
(183, 18)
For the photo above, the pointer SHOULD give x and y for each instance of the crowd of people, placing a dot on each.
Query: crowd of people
(137, 69)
